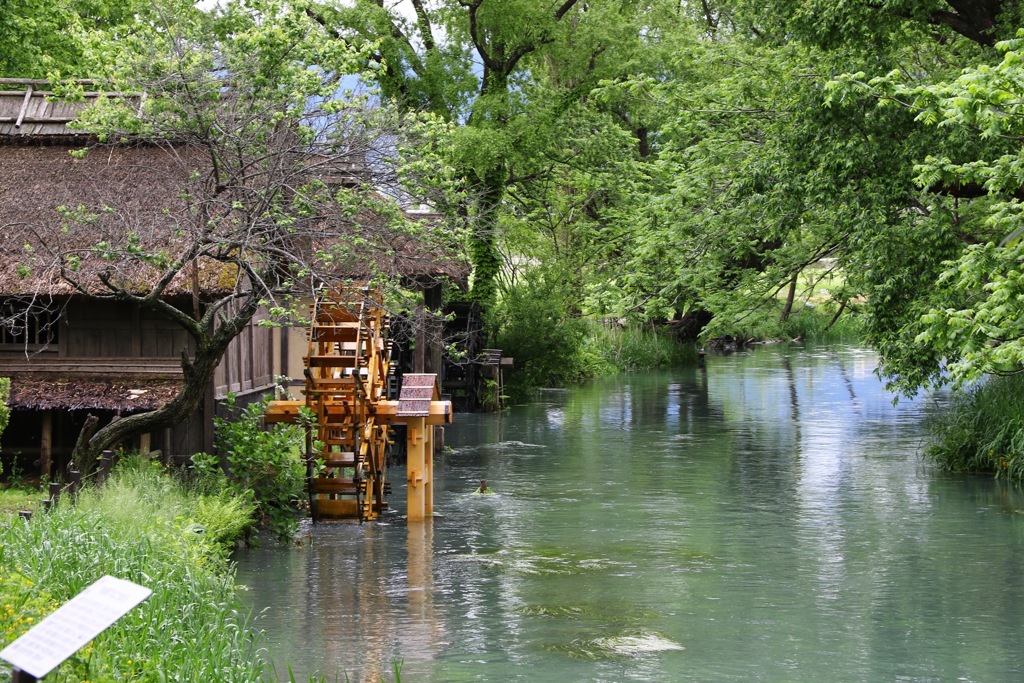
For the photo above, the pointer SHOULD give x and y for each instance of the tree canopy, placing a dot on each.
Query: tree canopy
(671, 162)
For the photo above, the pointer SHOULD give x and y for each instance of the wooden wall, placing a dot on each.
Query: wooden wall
(119, 330)
(101, 329)
(248, 364)
(143, 342)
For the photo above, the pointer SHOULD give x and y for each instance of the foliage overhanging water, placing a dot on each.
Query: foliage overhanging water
(765, 517)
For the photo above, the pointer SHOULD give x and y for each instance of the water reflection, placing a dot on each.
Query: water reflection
(763, 517)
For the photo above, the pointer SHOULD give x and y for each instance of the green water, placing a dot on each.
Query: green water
(764, 518)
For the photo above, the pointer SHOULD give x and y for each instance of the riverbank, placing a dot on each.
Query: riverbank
(983, 430)
(145, 526)
(568, 350)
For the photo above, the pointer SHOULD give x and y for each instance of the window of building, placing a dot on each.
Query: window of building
(24, 325)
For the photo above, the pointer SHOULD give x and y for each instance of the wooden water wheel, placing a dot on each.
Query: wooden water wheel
(348, 411)
(347, 368)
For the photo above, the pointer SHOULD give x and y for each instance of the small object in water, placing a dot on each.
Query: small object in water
(483, 488)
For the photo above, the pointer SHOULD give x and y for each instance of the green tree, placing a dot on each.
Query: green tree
(757, 172)
(504, 76)
(970, 323)
(41, 38)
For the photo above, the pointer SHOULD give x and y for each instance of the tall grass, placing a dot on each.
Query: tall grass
(983, 430)
(809, 324)
(145, 527)
(637, 348)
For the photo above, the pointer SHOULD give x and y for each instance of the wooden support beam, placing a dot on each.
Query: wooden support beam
(440, 413)
(46, 446)
(428, 468)
(385, 412)
(24, 106)
(416, 469)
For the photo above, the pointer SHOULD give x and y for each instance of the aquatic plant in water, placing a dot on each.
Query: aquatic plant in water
(625, 646)
(528, 561)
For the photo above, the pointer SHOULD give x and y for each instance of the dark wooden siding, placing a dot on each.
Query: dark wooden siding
(248, 364)
(100, 329)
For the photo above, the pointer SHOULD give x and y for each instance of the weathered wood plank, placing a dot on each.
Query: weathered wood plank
(93, 365)
(331, 361)
(332, 485)
(337, 509)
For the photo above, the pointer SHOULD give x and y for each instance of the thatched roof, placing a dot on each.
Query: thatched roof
(139, 188)
(113, 188)
(124, 394)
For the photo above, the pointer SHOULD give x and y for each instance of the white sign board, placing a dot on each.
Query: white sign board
(74, 624)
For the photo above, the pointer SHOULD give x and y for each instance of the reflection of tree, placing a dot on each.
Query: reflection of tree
(845, 375)
(794, 399)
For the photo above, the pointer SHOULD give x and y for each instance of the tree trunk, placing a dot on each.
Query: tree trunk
(691, 324)
(80, 456)
(835, 318)
(790, 297)
(483, 250)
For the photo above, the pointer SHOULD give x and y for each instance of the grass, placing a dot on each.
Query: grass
(145, 527)
(594, 350)
(983, 430)
(812, 324)
(637, 348)
(812, 317)
(15, 499)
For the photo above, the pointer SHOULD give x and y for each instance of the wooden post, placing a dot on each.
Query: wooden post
(144, 444)
(19, 676)
(210, 412)
(428, 469)
(438, 439)
(46, 446)
(167, 444)
(417, 475)
(106, 461)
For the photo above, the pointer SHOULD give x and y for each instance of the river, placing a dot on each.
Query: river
(763, 517)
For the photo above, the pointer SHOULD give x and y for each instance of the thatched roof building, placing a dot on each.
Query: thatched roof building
(28, 110)
(70, 202)
(109, 355)
(122, 393)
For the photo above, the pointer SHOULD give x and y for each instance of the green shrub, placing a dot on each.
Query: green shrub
(982, 430)
(5, 411)
(5, 395)
(538, 326)
(265, 465)
(210, 523)
(810, 324)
